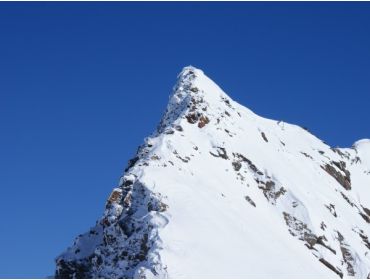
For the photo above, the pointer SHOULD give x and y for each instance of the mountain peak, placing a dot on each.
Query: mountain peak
(289, 205)
(195, 98)
(190, 70)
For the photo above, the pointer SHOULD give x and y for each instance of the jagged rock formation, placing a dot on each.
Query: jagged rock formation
(218, 191)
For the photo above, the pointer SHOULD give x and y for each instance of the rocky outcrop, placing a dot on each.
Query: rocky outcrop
(342, 175)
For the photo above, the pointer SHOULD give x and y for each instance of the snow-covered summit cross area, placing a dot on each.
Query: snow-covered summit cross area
(218, 191)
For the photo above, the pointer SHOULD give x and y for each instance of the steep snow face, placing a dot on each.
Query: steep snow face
(363, 149)
(218, 191)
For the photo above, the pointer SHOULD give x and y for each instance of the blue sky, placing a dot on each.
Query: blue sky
(81, 85)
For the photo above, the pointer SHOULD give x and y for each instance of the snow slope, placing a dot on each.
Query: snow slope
(218, 191)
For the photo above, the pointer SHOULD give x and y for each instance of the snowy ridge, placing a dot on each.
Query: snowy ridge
(218, 191)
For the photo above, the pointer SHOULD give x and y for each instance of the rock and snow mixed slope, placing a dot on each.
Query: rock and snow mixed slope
(218, 191)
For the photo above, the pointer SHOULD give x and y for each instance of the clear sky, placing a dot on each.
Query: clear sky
(81, 85)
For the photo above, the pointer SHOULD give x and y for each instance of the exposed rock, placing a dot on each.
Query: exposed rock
(242, 158)
(264, 137)
(356, 160)
(227, 102)
(131, 163)
(124, 239)
(365, 217)
(115, 196)
(321, 241)
(66, 269)
(221, 152)
(183, 159)
(306, 155)
(347, 199)
(155, 157)
(342, 154)
(270, 191)
(366, 210)
(331, 208)
(192, 118)
(300, 229)
(365, 239)
(323, 226)
(331, 267)
(203, 120)
(179, 128)
(346, 254)
(237, 165)
(247, 198)
(127, 200)
(169, 131)
(344, 180)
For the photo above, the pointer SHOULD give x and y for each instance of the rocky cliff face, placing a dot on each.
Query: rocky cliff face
(217, 191)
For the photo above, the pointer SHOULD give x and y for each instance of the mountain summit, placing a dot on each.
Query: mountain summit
(220, 192)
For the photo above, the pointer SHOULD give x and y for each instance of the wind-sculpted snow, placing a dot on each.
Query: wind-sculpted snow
(218, 191)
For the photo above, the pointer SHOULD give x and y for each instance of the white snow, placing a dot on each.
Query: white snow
(208, 155)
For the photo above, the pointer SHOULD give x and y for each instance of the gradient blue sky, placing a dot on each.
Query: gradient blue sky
(81, 85)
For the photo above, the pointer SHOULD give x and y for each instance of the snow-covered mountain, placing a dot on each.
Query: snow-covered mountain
(218, 191)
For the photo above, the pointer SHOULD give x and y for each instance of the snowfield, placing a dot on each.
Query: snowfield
(220, 192)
